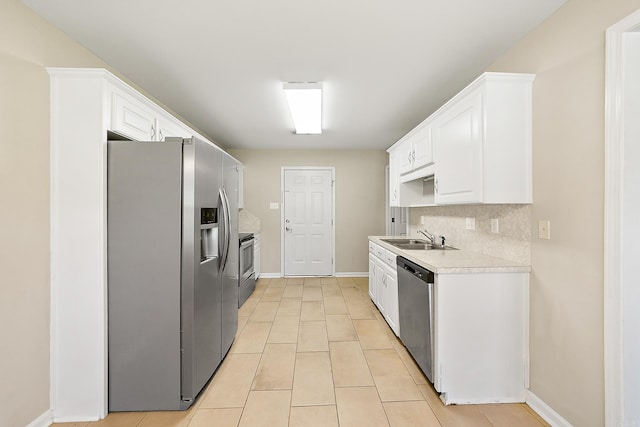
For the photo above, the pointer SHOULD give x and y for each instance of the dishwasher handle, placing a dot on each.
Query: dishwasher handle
(415, 270)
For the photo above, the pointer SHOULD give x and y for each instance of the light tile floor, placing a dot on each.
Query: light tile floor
(316, 352)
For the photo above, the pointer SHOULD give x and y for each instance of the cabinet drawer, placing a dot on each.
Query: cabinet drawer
(379, 251)
(390, 258)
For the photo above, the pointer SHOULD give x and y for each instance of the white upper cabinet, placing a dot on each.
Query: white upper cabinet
(478, 147)
(458, 146)
(415, 153)
(141, 120)
(482, 142)
(394, 178)
(131, 118)
(241, 187)
(168, 127)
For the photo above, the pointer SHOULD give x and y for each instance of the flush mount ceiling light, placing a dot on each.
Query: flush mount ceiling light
(305, 104)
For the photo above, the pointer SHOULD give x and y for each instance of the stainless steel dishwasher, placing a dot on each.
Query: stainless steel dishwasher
(415, 303)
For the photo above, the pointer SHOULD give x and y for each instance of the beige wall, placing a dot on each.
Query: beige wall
(359, 206)
(27, 45)
(567, 53)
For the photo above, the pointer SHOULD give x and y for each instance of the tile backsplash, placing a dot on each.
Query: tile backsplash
(512, 242)
(248, 222)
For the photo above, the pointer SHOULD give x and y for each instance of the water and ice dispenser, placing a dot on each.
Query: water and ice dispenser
(208, 234)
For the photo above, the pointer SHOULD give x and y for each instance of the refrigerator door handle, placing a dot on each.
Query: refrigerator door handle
(227, 227)
(223, 242)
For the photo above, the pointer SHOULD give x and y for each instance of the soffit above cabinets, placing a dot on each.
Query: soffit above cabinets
(220, 64)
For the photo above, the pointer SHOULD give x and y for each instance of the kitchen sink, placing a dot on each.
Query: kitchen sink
(395, 242)
(422, 246)
(415, 244)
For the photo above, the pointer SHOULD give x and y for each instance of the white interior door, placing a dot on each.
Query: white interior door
(308, 222)
(622, 226)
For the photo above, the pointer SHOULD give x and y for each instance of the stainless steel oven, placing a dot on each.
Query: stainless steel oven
(246, 276)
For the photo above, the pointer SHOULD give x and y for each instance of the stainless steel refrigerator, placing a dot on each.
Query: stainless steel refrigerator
(172, 270)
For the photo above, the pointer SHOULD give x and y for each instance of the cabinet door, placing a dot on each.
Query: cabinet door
(131, 118)
(381, 287)
(458, 152)
(241, 187)
(422, 148)
(406, 156)
(391, 300)
(168, 127)
(372, 278)
(394, 178)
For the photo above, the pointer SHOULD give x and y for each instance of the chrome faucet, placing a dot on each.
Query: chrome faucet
(431, 237)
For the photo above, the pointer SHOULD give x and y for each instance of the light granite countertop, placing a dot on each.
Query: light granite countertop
(453, 261)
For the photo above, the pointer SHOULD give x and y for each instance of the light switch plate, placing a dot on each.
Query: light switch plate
(422, 219)
(274, 205)
(544, 229)
(495, 225)
(471, 223)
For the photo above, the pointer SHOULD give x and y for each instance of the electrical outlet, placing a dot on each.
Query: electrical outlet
(274, 205)
(544, 229)
(422, 219)
(495, 225)
(471, 223)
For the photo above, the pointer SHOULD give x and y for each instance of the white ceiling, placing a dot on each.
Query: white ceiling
(386, 65)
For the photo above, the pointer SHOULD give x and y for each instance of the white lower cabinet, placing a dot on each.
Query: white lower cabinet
(383, 284)
(480, 337)
(390, 286)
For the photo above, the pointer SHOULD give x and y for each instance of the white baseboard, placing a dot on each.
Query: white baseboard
(270, 275)
(352, 274)
(44, 420)
(76, 419)
(545, 411)
(343, 274)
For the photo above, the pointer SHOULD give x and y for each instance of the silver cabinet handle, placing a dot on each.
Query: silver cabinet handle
(153, 131)
(160, 136)
(435, 185)
(288, 229)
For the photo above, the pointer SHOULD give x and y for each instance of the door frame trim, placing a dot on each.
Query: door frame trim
(333, 213)
(614, 154)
